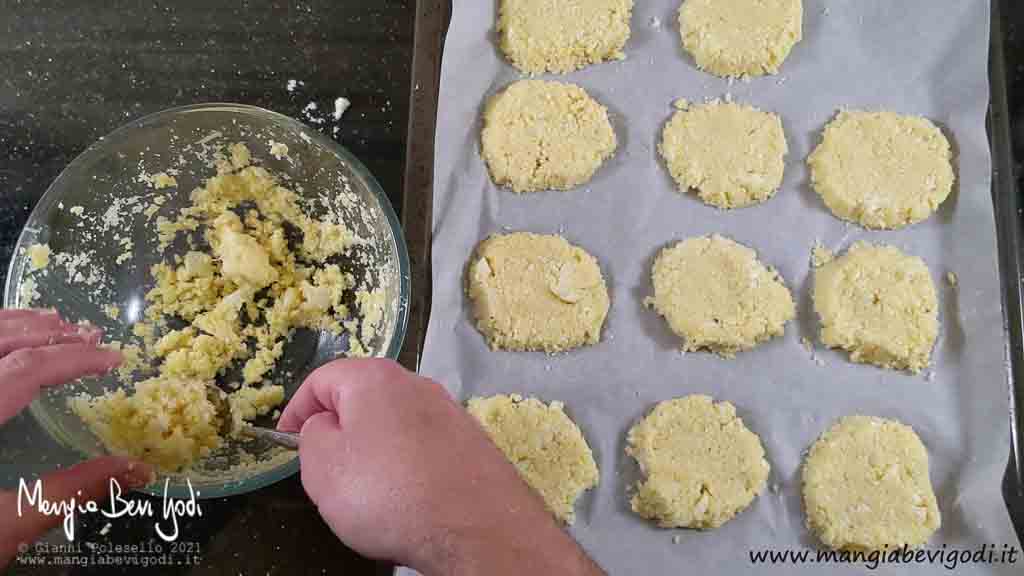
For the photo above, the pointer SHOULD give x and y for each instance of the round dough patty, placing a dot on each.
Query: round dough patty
(536, 292)
(715, 294)
(545, 446)
(541, 135)
(866, 486)
(562, 35)
(740, 37)
(880, 305)
(732, 155)
(882, 170)
(703, 466)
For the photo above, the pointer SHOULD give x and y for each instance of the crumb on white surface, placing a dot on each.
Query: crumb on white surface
(952, 279)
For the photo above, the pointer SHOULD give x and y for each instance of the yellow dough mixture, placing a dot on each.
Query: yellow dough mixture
(866, 486)
(235, 307)
(716, 295)
(536, 292)
(546, 447)
(703, 466)
(740, 37)
(38, 256)
(882, 170)
(880, 305)
(731, 155)
(542, 135)
(562, 35)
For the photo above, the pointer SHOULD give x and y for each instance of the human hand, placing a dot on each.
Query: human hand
(400, 471)
(38, 349)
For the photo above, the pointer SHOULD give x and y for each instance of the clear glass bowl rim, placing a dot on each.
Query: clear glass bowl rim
(289, 468)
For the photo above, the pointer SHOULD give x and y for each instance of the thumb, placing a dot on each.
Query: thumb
(321, 457)
(88, 481)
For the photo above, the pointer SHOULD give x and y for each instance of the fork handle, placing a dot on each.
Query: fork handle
(289, 440)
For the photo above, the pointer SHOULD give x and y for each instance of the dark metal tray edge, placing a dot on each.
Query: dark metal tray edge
(432, 19)
(1008, 229)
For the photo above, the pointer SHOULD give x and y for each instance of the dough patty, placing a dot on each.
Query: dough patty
(866, 486)
(880, 305)
(545, 446)
(703, 466)
(562, 35)
(740, 37)
(732, 155)
(536, 292)
(882, 170)
(541, 135)
(716, 295)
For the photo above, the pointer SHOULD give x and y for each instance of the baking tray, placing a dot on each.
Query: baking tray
(1008, 229)
(432, 21)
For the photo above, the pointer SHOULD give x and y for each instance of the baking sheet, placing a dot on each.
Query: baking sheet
(924, 57)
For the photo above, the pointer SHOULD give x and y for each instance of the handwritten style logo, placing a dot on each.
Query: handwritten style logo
(118, 506)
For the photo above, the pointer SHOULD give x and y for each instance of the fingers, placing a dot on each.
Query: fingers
(29, 323)
(15, 313)
(316, 395)
(36, 339)
(324, 389)
(35, 328)
(24, 371)
(321, 443)
(83, 482)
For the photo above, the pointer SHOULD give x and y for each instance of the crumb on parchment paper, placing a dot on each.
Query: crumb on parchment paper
(820, 255)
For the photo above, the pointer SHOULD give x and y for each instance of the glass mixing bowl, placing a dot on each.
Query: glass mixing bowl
(98, 210)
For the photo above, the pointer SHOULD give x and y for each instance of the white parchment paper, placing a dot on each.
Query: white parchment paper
(925, 57)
